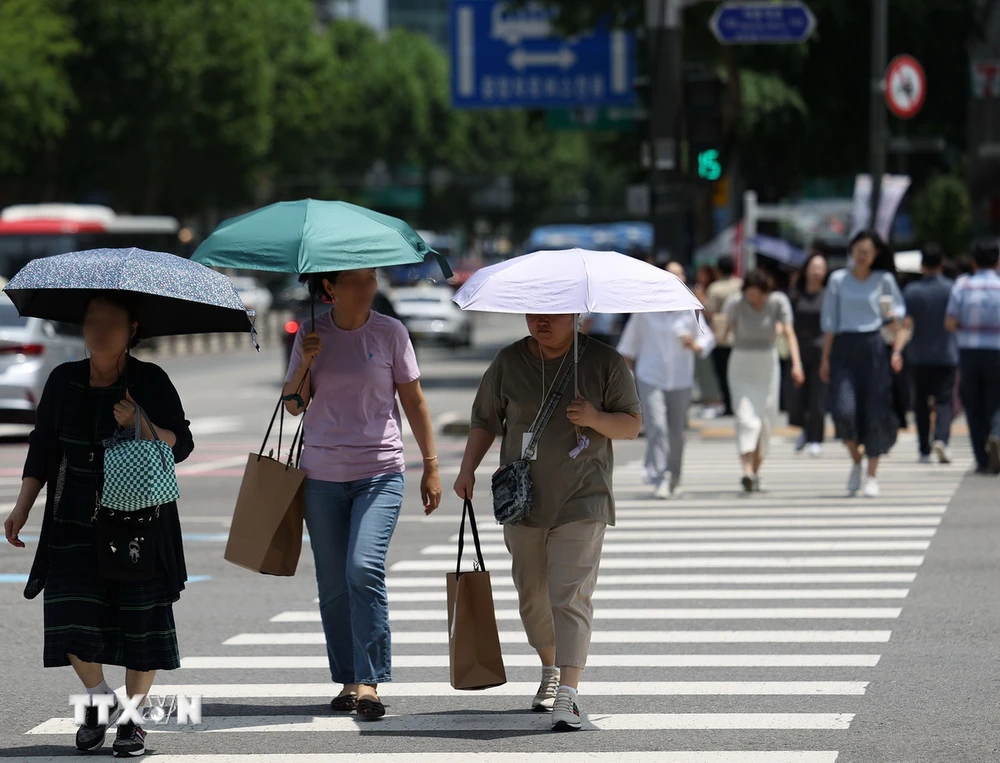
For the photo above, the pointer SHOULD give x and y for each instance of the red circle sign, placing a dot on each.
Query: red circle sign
(905, 86)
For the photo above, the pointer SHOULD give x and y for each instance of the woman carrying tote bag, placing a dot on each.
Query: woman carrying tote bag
(556, 548)
(97, 611)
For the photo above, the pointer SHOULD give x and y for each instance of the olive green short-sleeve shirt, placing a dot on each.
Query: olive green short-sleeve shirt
(509, 398)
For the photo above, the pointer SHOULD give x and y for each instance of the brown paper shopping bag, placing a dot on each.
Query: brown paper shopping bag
(473, 641)
(266, 532)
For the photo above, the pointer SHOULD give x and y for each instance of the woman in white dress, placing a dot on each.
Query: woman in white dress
(755, 318)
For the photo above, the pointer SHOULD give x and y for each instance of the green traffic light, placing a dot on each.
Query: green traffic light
(709, 164)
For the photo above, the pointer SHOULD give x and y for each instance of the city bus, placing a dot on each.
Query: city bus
(29, 231)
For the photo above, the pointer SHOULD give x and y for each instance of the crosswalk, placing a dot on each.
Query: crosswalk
(728, 629)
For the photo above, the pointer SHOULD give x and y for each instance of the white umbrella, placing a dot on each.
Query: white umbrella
(575, 281)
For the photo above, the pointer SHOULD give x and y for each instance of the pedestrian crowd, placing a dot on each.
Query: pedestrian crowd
(848, 336)
(859, 348)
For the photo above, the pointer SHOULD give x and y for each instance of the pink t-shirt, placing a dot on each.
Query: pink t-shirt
(353, 430)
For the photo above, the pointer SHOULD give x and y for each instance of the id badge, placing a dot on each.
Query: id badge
(525, 442)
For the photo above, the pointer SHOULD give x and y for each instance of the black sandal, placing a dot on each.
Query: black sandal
(370, 709)
(345, 703)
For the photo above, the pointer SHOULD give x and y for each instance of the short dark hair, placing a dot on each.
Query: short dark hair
(759, 279)
(933, 257)
(986, 254)
(123, 301)
(727, 266)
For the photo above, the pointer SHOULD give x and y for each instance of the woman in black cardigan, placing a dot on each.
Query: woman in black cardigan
(90, 622)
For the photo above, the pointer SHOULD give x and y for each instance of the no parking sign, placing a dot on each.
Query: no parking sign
(905, 86)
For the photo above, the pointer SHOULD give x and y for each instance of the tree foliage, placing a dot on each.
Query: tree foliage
(35, 91)
(944, 214)
(184, 108)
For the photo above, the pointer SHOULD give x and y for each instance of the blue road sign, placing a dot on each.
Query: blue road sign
(755, 23)
(505, 57)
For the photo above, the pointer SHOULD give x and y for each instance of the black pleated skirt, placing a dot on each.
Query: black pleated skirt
(861, 395)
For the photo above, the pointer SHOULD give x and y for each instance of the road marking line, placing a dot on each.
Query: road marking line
(593, 661)
(691, 613)
(626, 535)
(645, 594)
(601, 637)
(719, 547)
(523, 723)
(188, 470)
(738, 562)
(679, 578)
(517, 689)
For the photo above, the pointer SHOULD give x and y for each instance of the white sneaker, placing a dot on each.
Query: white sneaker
(566, 711)
(674, 485)
(757, 484)
(815, 450)
(871, 488)
(662, 491)
(924, 459)
(547, 690)
(943, 452)
(854, 481)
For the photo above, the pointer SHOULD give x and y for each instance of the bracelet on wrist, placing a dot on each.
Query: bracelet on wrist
(428, 459)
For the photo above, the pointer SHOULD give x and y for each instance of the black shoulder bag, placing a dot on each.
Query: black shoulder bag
(512, 492)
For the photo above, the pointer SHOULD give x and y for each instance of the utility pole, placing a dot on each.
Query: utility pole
(667, 205)
(877, 133)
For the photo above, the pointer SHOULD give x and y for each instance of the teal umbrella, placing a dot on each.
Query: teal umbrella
(311, 236)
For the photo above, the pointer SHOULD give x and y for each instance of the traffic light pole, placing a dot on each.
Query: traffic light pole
(877, 124)
(667, 205)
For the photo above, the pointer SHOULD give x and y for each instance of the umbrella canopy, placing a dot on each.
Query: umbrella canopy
(172, 295)
(575, 281)
(310, 236)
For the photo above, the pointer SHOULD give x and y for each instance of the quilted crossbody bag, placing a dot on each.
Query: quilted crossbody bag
(512, 496)
(139, 478)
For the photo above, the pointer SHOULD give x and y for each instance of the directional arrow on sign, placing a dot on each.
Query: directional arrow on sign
(521, 59)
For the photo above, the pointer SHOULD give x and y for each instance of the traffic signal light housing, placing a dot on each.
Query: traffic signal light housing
(703, 95)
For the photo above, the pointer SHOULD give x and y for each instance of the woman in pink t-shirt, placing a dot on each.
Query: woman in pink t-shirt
(351, 365)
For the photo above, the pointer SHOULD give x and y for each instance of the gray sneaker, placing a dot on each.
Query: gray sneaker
(546, 697)
(943, 452)
(566, 712)
(90, 736)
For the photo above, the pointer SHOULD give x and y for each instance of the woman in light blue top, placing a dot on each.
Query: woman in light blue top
(859, 302)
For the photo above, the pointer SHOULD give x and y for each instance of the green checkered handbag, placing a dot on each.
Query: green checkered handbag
(139, 473)
(139, 478)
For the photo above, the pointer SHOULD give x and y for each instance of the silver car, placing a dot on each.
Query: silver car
(431, 316)
(29, 349)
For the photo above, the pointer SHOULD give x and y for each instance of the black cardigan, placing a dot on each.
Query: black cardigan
(152, 389)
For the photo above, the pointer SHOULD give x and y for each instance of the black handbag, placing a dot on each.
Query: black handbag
(128, 542)
(512, 489)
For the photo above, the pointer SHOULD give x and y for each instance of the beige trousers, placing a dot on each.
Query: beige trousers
(555, 572)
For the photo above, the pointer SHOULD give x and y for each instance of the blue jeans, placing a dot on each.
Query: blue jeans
(350, 526)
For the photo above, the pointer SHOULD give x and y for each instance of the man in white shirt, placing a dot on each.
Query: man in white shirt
(661, 347)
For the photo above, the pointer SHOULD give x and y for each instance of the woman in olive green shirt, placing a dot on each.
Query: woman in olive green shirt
(556, 550)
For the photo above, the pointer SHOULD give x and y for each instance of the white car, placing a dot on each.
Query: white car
(430, 315)
(254, 294)
(30, 349)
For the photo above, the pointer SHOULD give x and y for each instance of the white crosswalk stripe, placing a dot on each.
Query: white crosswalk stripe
(766, 613)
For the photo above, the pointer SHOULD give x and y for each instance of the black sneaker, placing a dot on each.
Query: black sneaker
(131, 741)
(90, 736)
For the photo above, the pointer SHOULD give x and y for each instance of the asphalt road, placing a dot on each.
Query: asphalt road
(793, 626)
